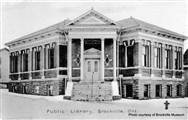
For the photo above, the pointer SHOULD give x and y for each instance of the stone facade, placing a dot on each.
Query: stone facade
(95, 53)
(4, 65)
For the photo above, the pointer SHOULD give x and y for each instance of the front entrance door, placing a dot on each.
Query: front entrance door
(92, 70)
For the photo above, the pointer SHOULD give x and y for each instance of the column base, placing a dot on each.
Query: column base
(68, 91)
(115, 88)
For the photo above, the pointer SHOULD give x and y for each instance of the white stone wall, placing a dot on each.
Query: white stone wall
(4, 65)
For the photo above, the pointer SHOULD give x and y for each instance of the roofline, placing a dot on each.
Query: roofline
(4, 49)
(91, 10)
(171, 34)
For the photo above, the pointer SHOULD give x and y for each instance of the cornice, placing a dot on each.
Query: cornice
(126, 31)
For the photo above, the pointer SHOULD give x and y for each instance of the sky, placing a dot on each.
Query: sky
(21, 18)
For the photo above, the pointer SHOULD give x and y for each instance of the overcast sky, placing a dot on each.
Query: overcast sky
(22, 18)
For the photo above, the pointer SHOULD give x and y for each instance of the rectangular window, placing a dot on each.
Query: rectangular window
(25, 62)
(168, 56)
(147, 90)
(130, 55)
(51, 58)
(179, 90)
(145, 55)
(158, 90)
(157, 55)
(169, 90)
(96, 66)
(37, 60)
(89, 66)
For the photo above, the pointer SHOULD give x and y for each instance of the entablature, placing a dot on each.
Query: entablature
(35, 39)
(42, 42)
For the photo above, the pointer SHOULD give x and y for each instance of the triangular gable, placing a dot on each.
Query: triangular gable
(92, 51)
(92, 17)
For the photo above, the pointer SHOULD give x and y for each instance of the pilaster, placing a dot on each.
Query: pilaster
(102, 58)
(114, 59)
(42, 61)
(163, 60)
(152, 58)
(29, 63)
(70, 59)
(82, 57)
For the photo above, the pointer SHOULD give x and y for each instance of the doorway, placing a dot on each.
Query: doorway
(92, 70)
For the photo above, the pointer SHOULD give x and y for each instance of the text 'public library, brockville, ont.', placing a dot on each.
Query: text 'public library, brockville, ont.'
(94, 58)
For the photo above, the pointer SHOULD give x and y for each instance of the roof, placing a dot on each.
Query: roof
(6, 49)
(125, 23)
(50, 28)
(133, 22)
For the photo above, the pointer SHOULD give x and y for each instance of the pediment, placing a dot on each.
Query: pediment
(92, 17)
(92, 51)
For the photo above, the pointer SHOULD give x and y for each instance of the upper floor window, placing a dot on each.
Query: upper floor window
(129, 49)
(178, 58)
(157, 55)
(14, 62)
(168, 57)
(24, 60)
(36, 57)
(51, 56)
(146, 53)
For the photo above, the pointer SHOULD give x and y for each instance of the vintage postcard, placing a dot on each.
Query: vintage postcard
(94, 59)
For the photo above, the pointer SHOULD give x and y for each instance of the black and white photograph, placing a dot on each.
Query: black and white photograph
(95, 59)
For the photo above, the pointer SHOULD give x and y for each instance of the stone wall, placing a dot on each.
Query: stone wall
(29, 87)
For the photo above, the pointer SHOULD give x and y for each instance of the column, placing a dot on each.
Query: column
(152, 58)
(173, 60)
(57, 58)
(19, 64)
(70, 59)
(140, 58)
(102, 58)
(163, 60)
(82, 57)
(69, 87)
(57, 54)
(42, 61)
(46, 57)
(115, 87)
(114, 58)
(33, 59)
(29, 63)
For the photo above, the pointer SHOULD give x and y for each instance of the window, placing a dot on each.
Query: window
(130, 55)
(168, 56)
(157, 55)
(179, 90)
(25, 62)
(176, 58)
(14, 62)
(96, 66)
(146, 54)
(169, 90)
(158, 90)
(37, 60)
(89, 66)
(51, 58)
(147, 90)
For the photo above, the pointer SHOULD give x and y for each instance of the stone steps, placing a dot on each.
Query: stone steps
(87, 91)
